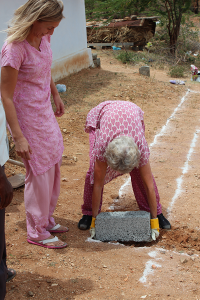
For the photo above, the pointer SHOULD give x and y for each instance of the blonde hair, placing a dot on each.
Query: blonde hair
(31, 11)
(122, 154)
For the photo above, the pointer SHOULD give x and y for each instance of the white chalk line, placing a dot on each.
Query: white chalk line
(168, 120)
(127, 182)
(148, 267)
(185, 170)
(148, 270)
(163, 129)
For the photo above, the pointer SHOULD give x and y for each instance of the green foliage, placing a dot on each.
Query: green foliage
(125, 57)
(174, 6)
(188, 40)
(186, 29)
(114, 8)
(177, 71)
(172, 12)
(130, 57)
(89, 7)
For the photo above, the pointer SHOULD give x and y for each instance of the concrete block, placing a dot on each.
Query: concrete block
(94, 56)
(145, 70)
(123, 226)
(97, 62)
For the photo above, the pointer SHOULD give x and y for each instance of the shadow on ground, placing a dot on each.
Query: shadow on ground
(26, 285)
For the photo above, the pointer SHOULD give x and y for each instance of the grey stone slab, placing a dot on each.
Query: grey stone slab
(94, 56)
(98, 62)
(123, 226)
(145, 70)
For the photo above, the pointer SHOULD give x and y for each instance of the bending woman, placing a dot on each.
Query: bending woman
(118, 146)
(26, 87)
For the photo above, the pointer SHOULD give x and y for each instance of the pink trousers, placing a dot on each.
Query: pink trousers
(137, 185)
(40, 198)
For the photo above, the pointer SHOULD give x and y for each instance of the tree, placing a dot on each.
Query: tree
(114, 8)
(173, 11)
(89, 7)
(196, 6)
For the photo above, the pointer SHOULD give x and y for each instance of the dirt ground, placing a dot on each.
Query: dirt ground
(166, 269)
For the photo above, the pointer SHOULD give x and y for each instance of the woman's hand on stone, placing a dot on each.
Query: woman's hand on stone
(23, 148)
(60, 108)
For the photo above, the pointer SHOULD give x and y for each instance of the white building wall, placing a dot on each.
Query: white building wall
(69, 41)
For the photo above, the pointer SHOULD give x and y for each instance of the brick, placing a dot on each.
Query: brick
(123, 226)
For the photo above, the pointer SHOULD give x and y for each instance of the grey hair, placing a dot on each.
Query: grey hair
(122, 154)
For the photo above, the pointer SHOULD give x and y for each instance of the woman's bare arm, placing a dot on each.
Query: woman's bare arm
(146, 175)
(99, 177)
(60, 108)
(8, 82)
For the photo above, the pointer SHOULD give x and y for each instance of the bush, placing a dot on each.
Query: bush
(187, 44)
(125, 57)
(177, 71)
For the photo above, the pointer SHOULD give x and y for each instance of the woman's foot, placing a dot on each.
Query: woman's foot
(85, 222)
(52, 243)
(58, 229)
(163, 222)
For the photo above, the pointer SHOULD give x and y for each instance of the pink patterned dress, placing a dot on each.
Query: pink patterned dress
(32, 101)
(106, 121)
(39, 126)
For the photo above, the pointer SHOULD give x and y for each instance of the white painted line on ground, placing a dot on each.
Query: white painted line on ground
(148, 270)
(149, 266)
(163, 129)
(185, 170)
(153, 254)
(92, 240)
(126, 183)
(98, 241)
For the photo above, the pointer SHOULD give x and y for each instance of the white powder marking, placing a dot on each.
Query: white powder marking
(148, 270)
(163, 129)
(93, 241)
(127, 182)
(153, 254)
(98, 241)
(171, 117)
(148, 267)
(118, 244)
(185, 170)
(112, 207)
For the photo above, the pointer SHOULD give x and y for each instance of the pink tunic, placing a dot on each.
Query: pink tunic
(32, 101)
(111, 119)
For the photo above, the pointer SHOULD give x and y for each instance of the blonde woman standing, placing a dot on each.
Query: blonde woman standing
(26, 87)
